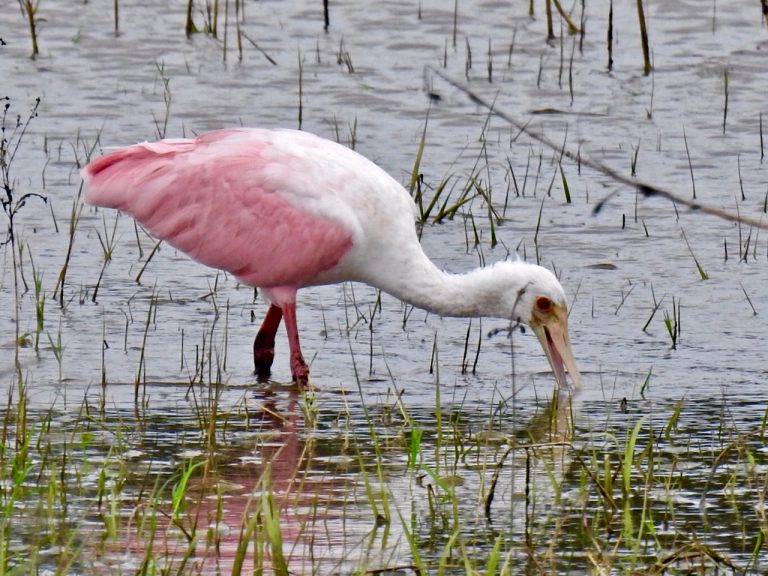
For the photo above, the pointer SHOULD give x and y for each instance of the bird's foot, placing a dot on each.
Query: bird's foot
(262, 362)
(263, 354)
(300, 371)
(263, 374)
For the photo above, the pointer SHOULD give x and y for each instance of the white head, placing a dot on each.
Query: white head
(515, 291)
(532, 295)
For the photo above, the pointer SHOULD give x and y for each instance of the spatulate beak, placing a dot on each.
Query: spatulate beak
(553, 335)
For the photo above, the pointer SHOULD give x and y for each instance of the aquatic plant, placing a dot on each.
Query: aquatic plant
(12, 132)
(29, 8)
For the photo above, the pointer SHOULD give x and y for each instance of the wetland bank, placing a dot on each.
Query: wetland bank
(135, 438)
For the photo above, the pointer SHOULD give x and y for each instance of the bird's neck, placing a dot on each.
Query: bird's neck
(424, 285)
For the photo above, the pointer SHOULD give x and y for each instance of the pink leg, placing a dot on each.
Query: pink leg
(264, 345)
(299, 368)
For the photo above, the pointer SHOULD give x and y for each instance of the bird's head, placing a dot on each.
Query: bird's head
(538, 300)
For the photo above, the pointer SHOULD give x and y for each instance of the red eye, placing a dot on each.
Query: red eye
(543, 304)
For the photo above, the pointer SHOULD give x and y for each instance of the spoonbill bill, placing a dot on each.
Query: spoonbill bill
(284, 209)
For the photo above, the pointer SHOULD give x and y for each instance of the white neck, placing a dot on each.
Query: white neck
(473, 294)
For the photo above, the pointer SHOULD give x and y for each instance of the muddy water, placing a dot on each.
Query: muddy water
(364, 82)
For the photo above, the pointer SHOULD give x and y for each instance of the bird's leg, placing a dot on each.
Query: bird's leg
(264, 344)
(299, 367)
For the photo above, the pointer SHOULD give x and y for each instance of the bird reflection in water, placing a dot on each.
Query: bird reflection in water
(249, 504)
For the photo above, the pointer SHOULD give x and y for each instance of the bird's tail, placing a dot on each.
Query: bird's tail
(110, 181)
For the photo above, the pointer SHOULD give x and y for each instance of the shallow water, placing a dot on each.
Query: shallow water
(101, 90)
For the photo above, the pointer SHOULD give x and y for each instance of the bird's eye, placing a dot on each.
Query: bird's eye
(543, 304)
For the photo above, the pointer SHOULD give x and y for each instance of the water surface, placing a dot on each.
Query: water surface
(365, 83)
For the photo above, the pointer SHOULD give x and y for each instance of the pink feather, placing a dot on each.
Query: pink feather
(216, 198)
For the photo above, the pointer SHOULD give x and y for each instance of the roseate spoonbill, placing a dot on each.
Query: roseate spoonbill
(283, 209)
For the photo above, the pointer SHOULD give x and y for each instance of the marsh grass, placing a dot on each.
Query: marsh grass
(647, 67)
(12, 133)
(749, 300)
(344, 58)
(690, 164)
(107, 242)
(99, 485)
(702, 273)
(37, 278)
(161, 124)
(672, 323)
(609, 36)
(74, 220)
(29, 9)
(725, 97)
(300, 111)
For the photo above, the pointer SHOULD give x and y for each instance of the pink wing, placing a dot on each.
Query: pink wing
(218, 198)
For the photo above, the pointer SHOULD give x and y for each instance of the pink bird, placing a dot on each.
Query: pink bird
(283, 209)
